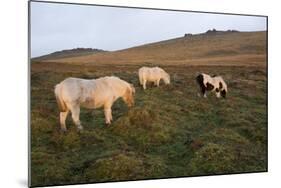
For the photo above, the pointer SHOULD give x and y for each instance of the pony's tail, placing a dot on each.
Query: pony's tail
(60, 102)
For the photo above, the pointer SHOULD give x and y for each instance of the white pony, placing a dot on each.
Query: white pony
(215, 83)
(153, 74)
(75, 92)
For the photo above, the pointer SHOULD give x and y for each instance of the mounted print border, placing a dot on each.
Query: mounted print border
(122, 93)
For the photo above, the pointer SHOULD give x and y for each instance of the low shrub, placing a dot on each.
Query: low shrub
(212, 159)
(119, 167)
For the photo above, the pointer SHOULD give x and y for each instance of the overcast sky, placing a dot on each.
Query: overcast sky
(64, 26)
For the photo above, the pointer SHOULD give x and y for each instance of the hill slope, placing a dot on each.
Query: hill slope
(210, 48)
(76, 52)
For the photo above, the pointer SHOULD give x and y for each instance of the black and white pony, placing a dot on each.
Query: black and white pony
(212, 83)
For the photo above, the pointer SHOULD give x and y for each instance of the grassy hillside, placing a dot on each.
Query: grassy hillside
(170, 131)
(215, 48)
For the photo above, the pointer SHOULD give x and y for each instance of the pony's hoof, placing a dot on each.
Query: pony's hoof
(79, 128)
(63, 130)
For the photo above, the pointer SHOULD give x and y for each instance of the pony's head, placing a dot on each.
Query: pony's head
(222, 88)
(166, 77)
(129, 95)
(223, 93)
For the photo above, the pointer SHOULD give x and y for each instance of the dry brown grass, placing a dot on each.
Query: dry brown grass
(241, 48)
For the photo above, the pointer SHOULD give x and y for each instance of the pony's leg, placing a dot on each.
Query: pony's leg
(204, 92)
(158, 82)
(144, 84)
(63, 116)
(140, 79)
(108, 115)
(75, 112)
(218, 94)
(107, 112)
(155, 83)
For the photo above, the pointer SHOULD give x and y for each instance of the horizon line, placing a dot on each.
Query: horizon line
(193, 34)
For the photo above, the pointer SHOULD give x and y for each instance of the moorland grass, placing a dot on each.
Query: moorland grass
(170, 131)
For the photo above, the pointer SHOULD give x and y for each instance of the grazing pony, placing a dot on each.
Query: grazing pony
(215, 83)
(102, 92)
(153, 74)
